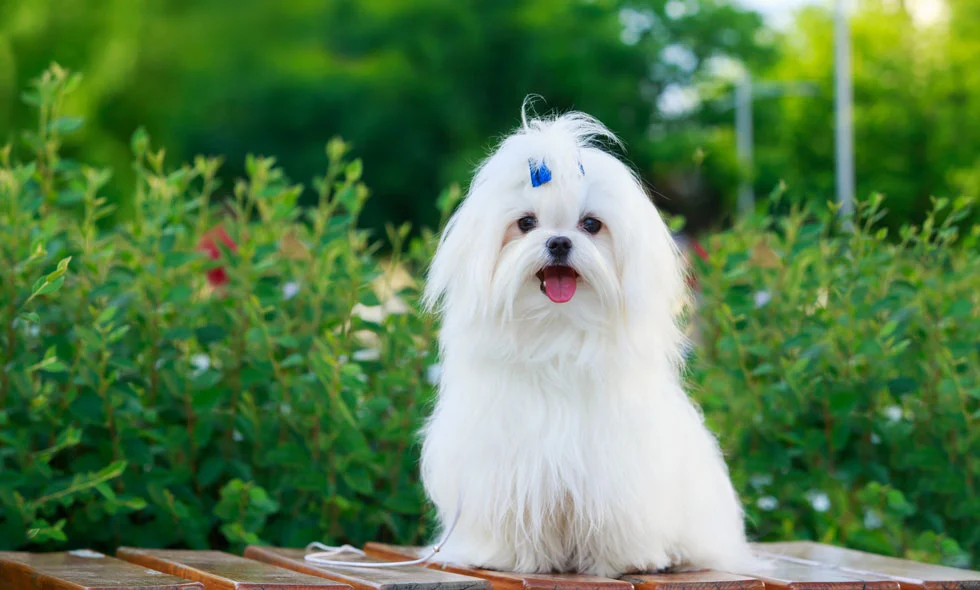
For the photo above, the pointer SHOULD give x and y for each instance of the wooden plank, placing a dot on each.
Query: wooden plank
(389, 578)
(697, 580)
(910, 574)
(504, 580)
(223, 571)
(800, 575)
(81, 570)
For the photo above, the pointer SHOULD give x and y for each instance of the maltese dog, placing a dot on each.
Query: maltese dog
(562, 439)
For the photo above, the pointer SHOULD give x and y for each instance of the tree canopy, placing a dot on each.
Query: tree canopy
(422, 89)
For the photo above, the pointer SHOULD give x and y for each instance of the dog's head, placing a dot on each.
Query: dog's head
(555, 228)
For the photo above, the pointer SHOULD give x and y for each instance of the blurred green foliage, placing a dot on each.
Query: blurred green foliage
(188, 377)
(420, 89)
(148, 398)
(916, 108)
(842, 373)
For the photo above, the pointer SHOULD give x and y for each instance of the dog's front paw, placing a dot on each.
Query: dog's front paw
(605, 570)
(657, 564)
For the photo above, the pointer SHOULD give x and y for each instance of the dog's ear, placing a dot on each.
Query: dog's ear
(463, 265)
(655, 292)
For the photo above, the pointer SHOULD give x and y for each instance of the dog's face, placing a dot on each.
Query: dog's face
(558, 247)
(556, 229)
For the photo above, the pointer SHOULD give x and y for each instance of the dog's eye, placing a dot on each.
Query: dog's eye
(526, 224)
(591, 225)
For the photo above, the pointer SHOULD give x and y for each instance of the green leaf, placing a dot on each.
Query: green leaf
(117, 334)
(29, 316)
(106, 492)
(888, 329)
(68, 438)
(287, 341)
(52, 282)
(84, 481)
(42, 532)
(65, 124)
(50, 286)
(259, 499)
(206, 379)
(54, 366)
(292, 360)
(69, 197)
(180, 294)
(62, 268)
(140, 142)
(178, 259)
(210, 470)
(354, 170)
(87, 408)
(106, 315)
(357, 478)
(206, 396)
(31, 98)
(209, 334)
(135, 504)
(405, 501)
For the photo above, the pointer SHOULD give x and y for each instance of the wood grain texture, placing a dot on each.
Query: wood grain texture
(792, 575)
(82, 570)
(393, 578)
(504, 580)
(909, 574)
(223, 571)
(699, 580)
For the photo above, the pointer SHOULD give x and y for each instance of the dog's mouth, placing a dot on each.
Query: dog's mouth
(558, 282)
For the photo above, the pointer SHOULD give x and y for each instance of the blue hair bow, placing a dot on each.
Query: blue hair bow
(541, 174)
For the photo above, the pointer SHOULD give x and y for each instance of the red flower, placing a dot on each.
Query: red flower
(209, 244)
(699, 250)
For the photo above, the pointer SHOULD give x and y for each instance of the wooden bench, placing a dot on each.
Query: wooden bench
(391, 578)
(223, 571)
(910, 575)
(503, 580)
(82, 570)
(794, 566)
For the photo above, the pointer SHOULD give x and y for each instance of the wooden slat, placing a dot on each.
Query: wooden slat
(389, 578)
(222, 571)
(81, 570)
(910, 574)
(504, 580)
(797, 575)
(699, 580)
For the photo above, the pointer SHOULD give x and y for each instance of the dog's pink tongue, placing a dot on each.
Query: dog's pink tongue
(559, 283)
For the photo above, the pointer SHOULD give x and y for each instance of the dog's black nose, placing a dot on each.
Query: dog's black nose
(559, 246)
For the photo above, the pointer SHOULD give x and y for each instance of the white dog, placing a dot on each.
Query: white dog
(561, 424)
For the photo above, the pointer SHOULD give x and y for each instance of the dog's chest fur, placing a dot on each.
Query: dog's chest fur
(550, 440)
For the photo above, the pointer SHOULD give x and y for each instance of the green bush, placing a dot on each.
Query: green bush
(842, 371)
(209, 376)
(201, 375)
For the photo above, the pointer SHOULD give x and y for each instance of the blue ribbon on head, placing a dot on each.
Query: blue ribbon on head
(541, 174)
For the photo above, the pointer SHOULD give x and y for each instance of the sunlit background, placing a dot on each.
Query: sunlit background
(422, 89)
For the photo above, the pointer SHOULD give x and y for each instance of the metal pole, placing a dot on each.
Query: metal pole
(843, 110)
(743, 141)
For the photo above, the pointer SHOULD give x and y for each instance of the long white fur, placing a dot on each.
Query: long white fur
(564, 428)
